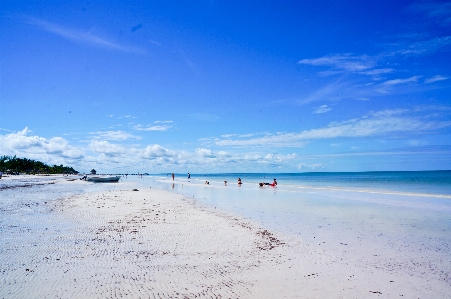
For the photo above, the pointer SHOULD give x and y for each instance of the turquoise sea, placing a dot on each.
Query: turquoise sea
(425, 182)
(424, 195)
(390, 208)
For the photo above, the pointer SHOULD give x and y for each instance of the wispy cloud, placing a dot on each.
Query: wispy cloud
(413, 149)
(311, 166)
(322, 109)
(381, 123)
(376, 72)
(163, 121)
(345, 62)
(426, 46)
(440, 11)
(127, 116)
(402, 81)
(435, 79)
(80, 36)
(277, 140)
(361, 76)
(152, 128)
(326, 92)
(113, 135)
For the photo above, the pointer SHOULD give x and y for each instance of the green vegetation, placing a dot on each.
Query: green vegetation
(10, 164)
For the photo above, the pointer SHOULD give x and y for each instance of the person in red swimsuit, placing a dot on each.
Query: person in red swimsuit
(274, 184)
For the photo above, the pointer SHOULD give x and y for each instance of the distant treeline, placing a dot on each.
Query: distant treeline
(14, 165)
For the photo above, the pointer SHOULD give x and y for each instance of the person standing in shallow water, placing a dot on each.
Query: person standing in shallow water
(189, 176)
(239, 182)
(172, 176)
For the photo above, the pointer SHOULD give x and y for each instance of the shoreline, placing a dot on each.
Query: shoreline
(153, 243)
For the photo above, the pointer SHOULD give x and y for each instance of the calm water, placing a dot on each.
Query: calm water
(353, 216)
(426, 182)
(303, 201)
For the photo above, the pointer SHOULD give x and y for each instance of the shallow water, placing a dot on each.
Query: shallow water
(421, 197)
(363, 217)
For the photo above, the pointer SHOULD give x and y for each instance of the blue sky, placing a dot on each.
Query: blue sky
(227, 86)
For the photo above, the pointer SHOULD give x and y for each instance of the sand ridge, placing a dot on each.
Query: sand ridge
(141, 244)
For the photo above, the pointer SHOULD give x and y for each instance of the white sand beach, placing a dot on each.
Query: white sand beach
(151, 243)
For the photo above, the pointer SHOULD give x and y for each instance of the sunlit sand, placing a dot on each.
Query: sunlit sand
(152, 243)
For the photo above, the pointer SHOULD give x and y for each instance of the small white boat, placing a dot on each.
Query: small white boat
(100, 179)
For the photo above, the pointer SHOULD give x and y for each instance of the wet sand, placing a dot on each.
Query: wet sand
(152, 243)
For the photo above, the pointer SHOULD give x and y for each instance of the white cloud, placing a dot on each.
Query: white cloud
(228, 135)
(108, 149)
(322, 109)
(380, 123)
(152, 128)
(283, 140)
(163, 121)
(156, 151)
(435, 79)
(402, 81)
(35, 147)
(245, 135)
(128, 116)
(345, 62)
(375, 72)
(106, 156)
(279, 158)
(426, 46)
(205, 153)
(310, 166)
(113, 135)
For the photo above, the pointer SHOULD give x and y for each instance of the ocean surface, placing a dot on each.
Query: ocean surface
(399, 216)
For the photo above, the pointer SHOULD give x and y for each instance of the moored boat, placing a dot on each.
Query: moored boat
(98, 179)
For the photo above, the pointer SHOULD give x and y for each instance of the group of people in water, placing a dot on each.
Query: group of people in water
(262, 184)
